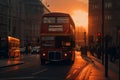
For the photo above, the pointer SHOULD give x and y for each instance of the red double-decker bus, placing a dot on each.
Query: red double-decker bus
(57, 38)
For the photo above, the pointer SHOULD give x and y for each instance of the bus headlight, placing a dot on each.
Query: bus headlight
(65, 54)
(43, 54)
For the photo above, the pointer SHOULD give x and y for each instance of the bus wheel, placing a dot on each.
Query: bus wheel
(73, 61)
(42, 61)
(69, 61)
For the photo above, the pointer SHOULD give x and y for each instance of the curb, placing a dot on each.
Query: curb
(11, 65)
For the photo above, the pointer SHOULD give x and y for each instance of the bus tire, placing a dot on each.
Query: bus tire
(42, 61)
(69, 61)
(73, 61)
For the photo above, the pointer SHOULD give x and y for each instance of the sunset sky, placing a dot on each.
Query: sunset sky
(78, 9)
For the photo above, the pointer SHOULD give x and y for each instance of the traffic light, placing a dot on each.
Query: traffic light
(98, 34)
(98, 37)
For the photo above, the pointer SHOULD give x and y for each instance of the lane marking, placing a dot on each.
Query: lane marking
(68, 76)
(74, 71)
(43, 70)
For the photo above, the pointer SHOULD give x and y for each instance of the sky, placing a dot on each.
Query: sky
(67, 5)
(78, 9)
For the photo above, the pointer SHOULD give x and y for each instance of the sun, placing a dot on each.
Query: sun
(80, 18)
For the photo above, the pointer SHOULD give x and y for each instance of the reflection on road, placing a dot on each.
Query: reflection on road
(77, 67)
(33, 70)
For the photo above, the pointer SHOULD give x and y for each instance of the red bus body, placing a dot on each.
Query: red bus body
(57, 40)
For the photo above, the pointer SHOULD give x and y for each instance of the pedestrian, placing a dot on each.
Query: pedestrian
(113, 53)
(118, 52)
(83, 50)
(99, 52)
(29, 49)
(26, 49)
(92, 50)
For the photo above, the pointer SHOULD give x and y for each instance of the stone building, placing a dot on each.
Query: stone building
(21, 19)
(111, 19)
(4, 18)
(33, 12)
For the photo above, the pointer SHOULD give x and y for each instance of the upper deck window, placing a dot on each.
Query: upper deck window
(62, 20)
(49, 20)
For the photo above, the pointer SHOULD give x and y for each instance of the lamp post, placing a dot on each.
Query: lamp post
(102, 31)
(106, 44)
(85, 38)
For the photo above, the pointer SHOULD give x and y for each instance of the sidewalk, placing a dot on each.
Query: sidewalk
(98, 70)
(13, 61)
(10, 62)
(93, 71)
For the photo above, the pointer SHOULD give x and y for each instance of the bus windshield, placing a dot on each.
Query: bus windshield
(47, 41)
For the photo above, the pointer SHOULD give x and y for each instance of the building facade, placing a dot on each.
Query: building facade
(21, 19)
(34, 9)
(4, 18)
(111, 20)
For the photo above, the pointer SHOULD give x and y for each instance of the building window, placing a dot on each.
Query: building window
(95, 6)
(108, 17)
(108, 5)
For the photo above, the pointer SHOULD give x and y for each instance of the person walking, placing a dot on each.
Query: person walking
(26, 49)
(113, 53)
(99, 52)
(92, 50)
(83, 50)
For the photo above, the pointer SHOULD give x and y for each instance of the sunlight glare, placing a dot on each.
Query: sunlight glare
(80, 18)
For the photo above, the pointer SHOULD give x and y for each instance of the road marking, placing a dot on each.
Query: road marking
(74, 71)
(68, 76)
(39, 71)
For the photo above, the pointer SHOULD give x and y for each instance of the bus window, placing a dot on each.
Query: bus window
(62, 20)
(49, 20)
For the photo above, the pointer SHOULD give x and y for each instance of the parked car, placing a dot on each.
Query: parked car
(35, 50)
(22, 50)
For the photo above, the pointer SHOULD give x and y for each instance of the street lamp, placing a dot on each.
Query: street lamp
(106, 55)
(102, 32)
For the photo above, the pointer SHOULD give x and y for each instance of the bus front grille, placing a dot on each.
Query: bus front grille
(55, 55)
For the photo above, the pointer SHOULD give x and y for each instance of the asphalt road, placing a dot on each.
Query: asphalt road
(33, 70)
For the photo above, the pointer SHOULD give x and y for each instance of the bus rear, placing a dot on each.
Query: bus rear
(9, 47)
(57, 39)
